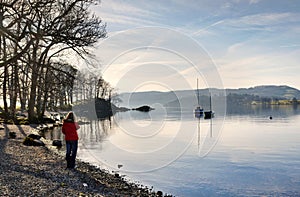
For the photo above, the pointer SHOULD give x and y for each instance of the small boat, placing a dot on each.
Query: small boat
(199, 112)
(209, 114)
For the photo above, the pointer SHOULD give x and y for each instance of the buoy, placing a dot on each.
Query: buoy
(270, 117)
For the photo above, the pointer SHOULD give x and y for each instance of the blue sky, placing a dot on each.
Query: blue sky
(243, 42)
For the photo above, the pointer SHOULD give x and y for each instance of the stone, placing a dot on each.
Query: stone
(48, 120)
(34, 136)
(144, 108)
(12, 135)
(33, 142)
(120, 166)
(57, 143)
(159, 193)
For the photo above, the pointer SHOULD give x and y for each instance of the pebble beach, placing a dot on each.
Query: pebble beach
(39, 171)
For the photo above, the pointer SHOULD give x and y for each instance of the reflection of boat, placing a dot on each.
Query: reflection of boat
(205, 136)
(209, 114)
(199, 110)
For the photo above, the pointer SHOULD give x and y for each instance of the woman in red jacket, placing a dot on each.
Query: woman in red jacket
(69, 129)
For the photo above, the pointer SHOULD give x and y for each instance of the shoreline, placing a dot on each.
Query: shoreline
(39, 171)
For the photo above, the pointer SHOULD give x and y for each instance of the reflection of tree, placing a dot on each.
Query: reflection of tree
(294, 101)
(54, 134)
(262, 110)
(96, 130)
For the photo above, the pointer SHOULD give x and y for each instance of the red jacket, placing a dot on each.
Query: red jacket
(70, 130)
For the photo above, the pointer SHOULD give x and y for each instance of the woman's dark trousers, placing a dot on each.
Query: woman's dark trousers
(71, 152)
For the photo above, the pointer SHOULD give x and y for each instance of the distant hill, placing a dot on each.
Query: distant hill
(188, 98)
(269, 91)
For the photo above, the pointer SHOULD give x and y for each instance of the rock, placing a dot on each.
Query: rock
(122, 109)
(38, 143)
(120, 166)
(21, 114)
(63, 184)
(50, 126)
(12, 135)
(48, 120)
(144, 108)
(57, 143)
(22, 120)
(159, 193)
(42, 128)
(34, 136)
(33, 142)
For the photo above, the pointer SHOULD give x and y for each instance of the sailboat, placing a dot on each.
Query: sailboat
(199, 110)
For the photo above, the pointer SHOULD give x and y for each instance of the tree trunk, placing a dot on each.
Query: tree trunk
(33, 87)
(15, 87)
(45, 94)
(32, 97)
(4, 89)
(39, 94)
(23, 89)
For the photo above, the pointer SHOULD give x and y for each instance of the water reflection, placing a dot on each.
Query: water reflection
(54, 134)
(251, 147)
(139, 141)
(206, 139)
(95, 130)
(139, 132)
(262, 110)
(98, 130)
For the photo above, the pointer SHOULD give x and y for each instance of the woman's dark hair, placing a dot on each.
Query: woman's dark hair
(70, 117)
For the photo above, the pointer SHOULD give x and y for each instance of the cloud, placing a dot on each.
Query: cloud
(291, 46)
(204, 29)
(263, 19)
(250, 41)
(125, 15)
(243, 66)
(129, 21)
(120, 7)
(235, 47)
(254, 1)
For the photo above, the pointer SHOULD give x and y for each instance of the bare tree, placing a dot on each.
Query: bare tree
(34, 35)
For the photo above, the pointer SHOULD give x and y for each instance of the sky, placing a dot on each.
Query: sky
(167, 45)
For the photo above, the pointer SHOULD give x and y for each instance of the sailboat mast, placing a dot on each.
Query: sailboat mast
(210, 102)
(198, 94)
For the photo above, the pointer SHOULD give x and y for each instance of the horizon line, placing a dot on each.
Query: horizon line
(231, 88)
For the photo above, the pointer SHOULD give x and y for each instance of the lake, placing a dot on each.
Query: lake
(244, 153)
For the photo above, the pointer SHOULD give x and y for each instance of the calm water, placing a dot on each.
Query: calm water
(245, 154)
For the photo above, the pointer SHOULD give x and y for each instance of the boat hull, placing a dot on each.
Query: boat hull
(208, 114)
